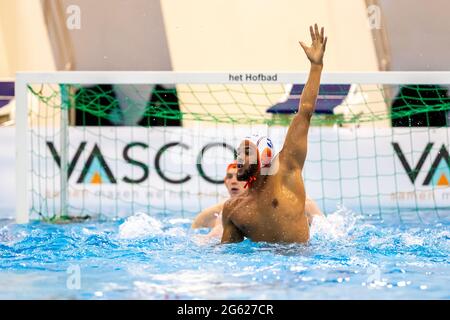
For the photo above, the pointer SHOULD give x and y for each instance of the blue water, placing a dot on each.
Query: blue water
(159, 257)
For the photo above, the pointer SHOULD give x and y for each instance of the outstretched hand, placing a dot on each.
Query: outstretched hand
(317, 49)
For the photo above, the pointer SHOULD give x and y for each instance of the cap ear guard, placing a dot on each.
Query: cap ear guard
(265, 149)
(266, 157)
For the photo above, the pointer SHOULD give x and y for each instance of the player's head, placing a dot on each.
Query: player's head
(234, 187)
(254, 153)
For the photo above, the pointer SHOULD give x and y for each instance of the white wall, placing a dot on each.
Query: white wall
(24, 43)
(263, 34)
(418, 33)
(225, 35)
(119, 35)
(218, 34)
(4, 64)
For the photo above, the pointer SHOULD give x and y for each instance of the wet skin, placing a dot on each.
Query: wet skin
(273, 207)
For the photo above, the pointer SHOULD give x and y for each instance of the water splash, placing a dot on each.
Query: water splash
(157, 256)
(10, 234)
(140, 225)
(336, 225)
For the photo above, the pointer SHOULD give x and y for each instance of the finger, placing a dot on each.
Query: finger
(303, 45)
(311, 31)
(325, 43)
(321, 34)
(316, 31)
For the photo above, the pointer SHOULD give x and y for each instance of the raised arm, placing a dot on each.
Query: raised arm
(294, 149)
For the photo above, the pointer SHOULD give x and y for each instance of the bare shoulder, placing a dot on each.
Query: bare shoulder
(287, 160)
(229, 205)
(279, 168)
(284, 171)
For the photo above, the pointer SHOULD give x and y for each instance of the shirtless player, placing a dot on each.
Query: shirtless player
(212, 217)
(273, 207)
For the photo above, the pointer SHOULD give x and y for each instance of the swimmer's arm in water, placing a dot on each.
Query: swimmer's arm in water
(217, 231)
(230, 232)
(294, 149)
(207, 218)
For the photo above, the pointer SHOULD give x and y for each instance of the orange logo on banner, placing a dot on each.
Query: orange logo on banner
(443, 181)
(96, 178)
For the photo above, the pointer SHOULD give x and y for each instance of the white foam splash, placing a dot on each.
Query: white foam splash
(179, 221)
(411, 240)
(335, 225)
(10, 237)
(175, 232)
(140, 225)
(5, 236)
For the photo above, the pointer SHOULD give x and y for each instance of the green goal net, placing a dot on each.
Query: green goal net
(110, 149)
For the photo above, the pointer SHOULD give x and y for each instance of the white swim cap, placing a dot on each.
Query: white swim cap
(265, 149)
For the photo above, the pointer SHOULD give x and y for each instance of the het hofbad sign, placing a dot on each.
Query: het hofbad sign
(253, 77)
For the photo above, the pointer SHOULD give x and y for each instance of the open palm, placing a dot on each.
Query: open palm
(317, 49)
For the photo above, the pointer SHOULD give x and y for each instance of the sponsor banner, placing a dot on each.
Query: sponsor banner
(116, 171)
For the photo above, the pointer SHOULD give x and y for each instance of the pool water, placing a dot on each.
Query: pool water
(160, 257)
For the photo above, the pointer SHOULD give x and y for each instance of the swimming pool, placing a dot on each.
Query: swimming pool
(159, 257)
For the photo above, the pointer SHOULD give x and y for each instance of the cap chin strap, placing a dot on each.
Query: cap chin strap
(249, 182)
(252, 179)
(264, 156)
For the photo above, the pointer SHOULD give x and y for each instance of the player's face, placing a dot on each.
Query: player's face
(247, 160)
(234, 187)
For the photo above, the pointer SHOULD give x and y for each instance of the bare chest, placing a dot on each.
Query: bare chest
(267, 214)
